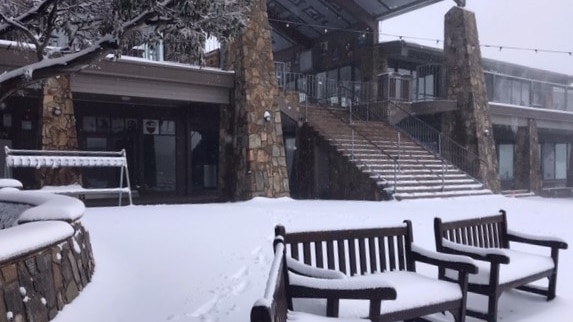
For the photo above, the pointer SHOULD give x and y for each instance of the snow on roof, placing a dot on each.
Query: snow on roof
(48, 206)
(23, 239)
(146, 61)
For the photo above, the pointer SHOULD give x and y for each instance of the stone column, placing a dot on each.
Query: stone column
(526, 162)
(255, 158)
(471, 124)
(59, 129)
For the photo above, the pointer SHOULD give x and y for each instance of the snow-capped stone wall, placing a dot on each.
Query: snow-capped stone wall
(45, 261)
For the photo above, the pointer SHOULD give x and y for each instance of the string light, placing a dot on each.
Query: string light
(363, 33)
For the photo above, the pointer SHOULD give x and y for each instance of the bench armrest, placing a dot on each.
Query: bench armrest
(310, 271)
(367, 287)
(443, 260)
(493, 255)
(548, 241)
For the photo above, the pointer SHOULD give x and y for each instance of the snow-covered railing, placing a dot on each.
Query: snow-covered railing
(79, 159)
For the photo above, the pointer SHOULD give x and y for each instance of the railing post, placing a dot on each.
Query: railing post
(443, 174)
(352, 146)
(350, 110)
(399, 147)
(396, 167)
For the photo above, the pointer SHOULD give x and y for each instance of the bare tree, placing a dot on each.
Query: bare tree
(68, 35)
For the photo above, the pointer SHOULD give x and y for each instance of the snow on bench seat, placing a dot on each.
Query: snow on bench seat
(412, 292)
(520, 265)
(293, 316)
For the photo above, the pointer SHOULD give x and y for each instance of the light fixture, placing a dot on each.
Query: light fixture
(56, 111)
(267, 116)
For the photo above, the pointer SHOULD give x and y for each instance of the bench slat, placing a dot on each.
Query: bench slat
(341, 256)
(330, 254)
(382, 251)
(306, 253)
(401, 254)
(391, 253)
(294, 250)
(352, 256)
(362, 250)
(372, 254)
(318, 252)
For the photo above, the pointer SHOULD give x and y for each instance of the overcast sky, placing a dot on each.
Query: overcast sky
(518, 23)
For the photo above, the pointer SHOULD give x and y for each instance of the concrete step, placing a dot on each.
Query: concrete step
(446, 194)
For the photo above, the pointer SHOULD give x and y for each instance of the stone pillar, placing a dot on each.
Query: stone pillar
(471, 124)
(59, 129)
(526, 162)
(255, 158)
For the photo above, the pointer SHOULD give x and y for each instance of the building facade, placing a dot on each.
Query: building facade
(195, 134)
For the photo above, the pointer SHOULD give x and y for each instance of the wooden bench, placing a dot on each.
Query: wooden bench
(487, 239)
(274, 305)
(76, 159)
(368, 255)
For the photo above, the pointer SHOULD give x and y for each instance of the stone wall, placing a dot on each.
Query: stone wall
(341, 179)
(470, 124)
(35, 286)
(253, 157)
(527, 160)
(58, 129)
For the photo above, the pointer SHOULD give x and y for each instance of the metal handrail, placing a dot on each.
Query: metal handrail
(395, 161)
(441, 145)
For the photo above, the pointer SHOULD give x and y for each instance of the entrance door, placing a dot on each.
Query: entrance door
(159, 165)
(204, 157)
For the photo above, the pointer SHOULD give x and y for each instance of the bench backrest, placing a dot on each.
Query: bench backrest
(484, 232)
(352, 251)
(56, 159)
(273, 306)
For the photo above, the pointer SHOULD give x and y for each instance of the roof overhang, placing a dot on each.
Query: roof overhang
(302, 21)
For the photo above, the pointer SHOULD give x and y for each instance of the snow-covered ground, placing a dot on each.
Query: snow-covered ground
(210, 262)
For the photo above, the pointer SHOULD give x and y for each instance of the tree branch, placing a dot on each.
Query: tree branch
(33, 13)
(17, 25)
(21, 77)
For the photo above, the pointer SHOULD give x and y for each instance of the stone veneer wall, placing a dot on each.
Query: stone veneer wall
(471, 123)
(59, 131)
(527, 161)
(34, 287)
(345, 180)
(253, 156)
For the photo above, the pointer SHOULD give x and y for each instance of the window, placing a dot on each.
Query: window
(554, 160)
(561, 161)
(570, 99)
(558, 98)
(509, 90)
(506, 161)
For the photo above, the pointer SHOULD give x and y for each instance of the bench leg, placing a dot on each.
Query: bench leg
(332, 307)
(492, 307)
(552, 286)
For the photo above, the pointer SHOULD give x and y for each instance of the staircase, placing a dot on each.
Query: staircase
(398, 164)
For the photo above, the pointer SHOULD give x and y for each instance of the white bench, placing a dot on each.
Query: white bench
(77, 159)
